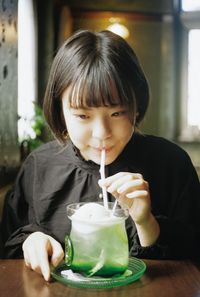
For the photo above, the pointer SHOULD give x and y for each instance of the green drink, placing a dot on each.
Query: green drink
(98, 243)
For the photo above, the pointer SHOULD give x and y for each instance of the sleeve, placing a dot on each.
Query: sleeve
(180, 226)
(18, 220)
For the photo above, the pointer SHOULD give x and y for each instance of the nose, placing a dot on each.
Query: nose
(101, 129)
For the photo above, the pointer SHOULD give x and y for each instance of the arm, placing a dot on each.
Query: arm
(20, 228)
(18, 218)
(177, 216)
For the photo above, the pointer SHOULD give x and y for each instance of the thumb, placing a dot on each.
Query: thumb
(57, 253)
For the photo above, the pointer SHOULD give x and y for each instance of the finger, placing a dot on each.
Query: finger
(44, 261)
(113, 187)
(33, 260)
(138, 194)
(107, 181)
(29, 254)
(111, 179)
(133, 185)
(57, 252)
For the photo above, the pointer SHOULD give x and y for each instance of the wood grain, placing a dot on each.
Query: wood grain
(162, 279)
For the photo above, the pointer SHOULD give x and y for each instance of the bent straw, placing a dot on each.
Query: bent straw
(102, 173)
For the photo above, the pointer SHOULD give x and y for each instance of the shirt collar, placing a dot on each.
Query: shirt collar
(122, 163)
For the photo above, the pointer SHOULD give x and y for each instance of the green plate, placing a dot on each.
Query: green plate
(136, 269)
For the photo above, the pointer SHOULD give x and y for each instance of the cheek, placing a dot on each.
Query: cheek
(77, 134)
(124, 130)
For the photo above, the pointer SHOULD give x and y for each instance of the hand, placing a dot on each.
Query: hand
(132, 191)
(37, 248)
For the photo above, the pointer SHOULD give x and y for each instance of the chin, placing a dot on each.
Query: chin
(110, 160)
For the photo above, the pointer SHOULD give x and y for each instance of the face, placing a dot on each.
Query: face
(95, 128)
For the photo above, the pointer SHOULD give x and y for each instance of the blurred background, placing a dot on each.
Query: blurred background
(165, 35)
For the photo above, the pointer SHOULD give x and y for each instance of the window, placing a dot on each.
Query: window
(190, 5)
(27, 61)
(190, 70)
(193, 115)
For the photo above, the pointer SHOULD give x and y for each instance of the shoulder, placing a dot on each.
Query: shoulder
(162, 157)
(48, 154)
(156, 143)
(159, 148)
(49, 163)
(48, 147)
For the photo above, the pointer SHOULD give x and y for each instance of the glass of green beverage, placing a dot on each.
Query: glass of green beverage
(98, 243)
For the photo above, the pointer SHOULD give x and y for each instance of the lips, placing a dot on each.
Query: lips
(108, 149)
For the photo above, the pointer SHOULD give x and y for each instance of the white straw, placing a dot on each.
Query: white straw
(115, 204)
(102, 173)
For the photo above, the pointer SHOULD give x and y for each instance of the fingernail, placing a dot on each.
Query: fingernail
(120, 190)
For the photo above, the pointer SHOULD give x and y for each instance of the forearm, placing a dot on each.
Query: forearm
(176, 240)
(148, 231)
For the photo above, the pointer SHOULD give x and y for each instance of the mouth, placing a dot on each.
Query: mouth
(107, 149)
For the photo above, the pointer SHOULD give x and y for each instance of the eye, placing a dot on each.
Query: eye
(82, 116)
(119, 113)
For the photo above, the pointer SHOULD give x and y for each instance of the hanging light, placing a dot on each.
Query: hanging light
(119, 29)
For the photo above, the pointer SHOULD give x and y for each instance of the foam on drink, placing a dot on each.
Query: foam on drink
(93, 213)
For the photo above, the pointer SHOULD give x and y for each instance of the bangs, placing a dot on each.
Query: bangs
(95, 88)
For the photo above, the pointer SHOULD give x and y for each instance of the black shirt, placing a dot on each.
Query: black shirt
(53, 177)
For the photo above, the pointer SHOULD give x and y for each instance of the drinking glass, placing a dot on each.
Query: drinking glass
(97, 247)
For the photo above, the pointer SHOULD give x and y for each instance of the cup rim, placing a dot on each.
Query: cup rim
(119, 215)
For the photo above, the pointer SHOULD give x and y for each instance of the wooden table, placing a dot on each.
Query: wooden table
(161, 279)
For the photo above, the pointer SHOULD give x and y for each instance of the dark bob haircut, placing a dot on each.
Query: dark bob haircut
(101, 69)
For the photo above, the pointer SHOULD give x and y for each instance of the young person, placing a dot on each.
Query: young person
(96, 96)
